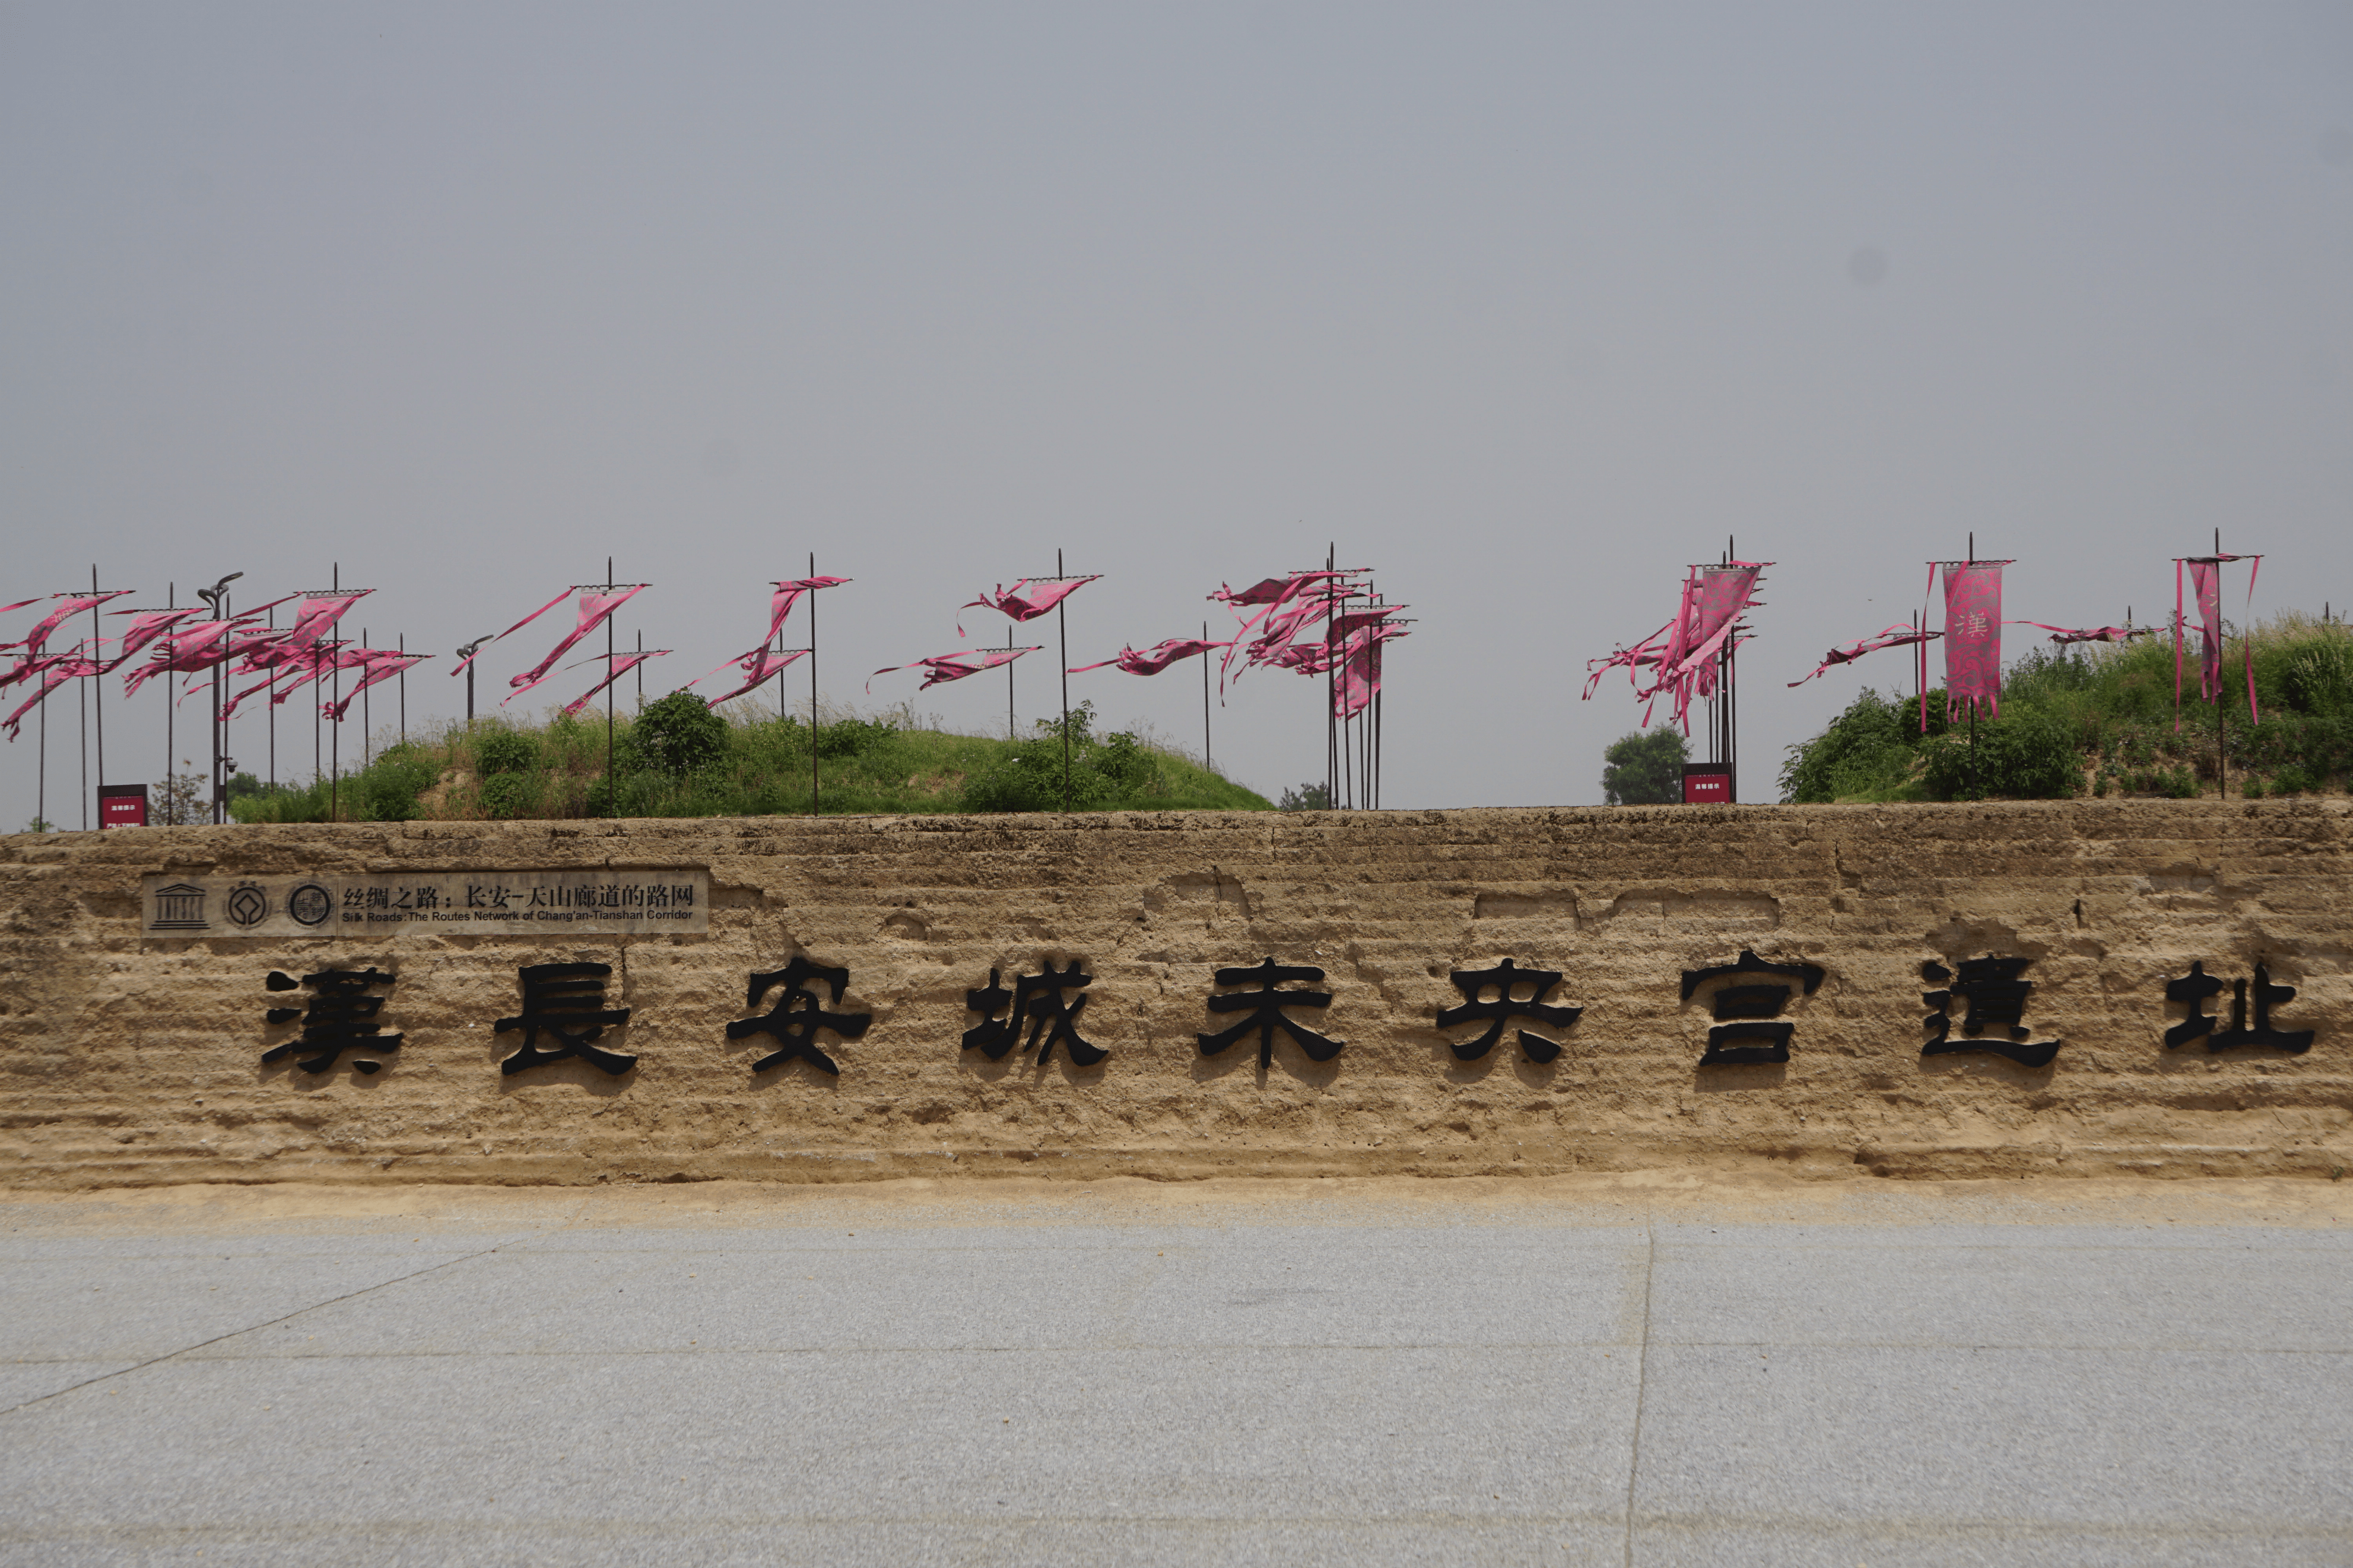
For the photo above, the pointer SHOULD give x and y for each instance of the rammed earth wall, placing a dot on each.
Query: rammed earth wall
(125, 1059)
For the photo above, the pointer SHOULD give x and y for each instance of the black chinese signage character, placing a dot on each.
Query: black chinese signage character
(565, 1002)
(793, 1021)
(1747, 1031)
(2195, 986)
(1996, 996)
(1036, 999)
(1505, 1008)
(1265, 1007)
(340, 1018)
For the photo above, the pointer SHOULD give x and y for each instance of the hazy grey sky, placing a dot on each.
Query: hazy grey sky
(1526, 305)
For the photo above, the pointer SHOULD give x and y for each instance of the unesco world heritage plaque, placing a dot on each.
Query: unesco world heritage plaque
(588, 902)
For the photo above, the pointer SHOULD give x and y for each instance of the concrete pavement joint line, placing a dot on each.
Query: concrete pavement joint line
(1641, 1383)
(252, 1327)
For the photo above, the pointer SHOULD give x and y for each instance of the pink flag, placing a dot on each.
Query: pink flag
(593, 607)
(380, 669)
(622, 664)
(1973, 637)
(950, 667)
(197, 644)
(55, 672)
(2064, 634)
(315, 619)
(460, 667)
(1683, 654)
(72, 604)
(146, 626)
(760, 666)
(1155, 660)
(1900, 636)
(1359, 677)
(22, 603)
(788, 594)
(2206, 575)
(1024, 606)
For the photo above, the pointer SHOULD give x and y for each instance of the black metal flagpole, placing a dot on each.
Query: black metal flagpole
(1062, 625)
(1331, 687)
(269, 701)
(812, 603)
(98, 692)
(335, 741)
(367, 706)
(612, 796)
(1207, 760)
(1009, 683)
(403, 689)
(642, 671)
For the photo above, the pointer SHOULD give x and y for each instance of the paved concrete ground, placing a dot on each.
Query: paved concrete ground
(1543, 1372)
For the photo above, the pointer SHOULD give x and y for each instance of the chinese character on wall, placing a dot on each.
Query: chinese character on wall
(1037, 1000)
(1749, 1028)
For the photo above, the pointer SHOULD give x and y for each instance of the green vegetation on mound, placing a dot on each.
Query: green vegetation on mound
(676, 758)
(2100, 721)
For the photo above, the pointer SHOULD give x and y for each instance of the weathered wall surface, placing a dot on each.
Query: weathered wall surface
(132, 1060)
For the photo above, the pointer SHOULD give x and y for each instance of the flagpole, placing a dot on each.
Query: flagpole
(98, 692)
(367, 706)
(1207, 760)
(1063, 626)
(780, 683)
(335, 741)
(1331, 688)
(171, 762)
(612, 796)
(404, 681)
(269, 701)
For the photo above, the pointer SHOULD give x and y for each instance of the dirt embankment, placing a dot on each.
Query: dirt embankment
(132, 1059)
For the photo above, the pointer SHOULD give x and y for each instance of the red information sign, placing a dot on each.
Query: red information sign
(1707, 784)
(122, 806)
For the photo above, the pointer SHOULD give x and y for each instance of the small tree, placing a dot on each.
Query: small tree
(1641, 769)
(1316, 796)
(678, 734)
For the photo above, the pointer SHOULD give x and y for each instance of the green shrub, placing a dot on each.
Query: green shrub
(2253, 789)
(2028, 753)
(389, 787)
(509, 795)
(2179, 783)
(1865, 750)
(2292, 780)
(504, 751)
(855, 737)
(677, 735)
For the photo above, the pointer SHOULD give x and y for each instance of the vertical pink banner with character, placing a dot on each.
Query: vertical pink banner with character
(1973, 637)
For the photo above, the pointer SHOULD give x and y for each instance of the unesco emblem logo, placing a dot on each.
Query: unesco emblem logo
(311, 904)
(247, 904)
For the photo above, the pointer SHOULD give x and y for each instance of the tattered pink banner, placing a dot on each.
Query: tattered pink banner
(314, 620)
(1682, 654)
(1155, 660)
(2066, 634)
(788, 594)
(1357, 679)
(950, 667)
(53, 671)
(71, 606)
(379, 670)
(2206, 577)
(759, 667)
(460, 667)
(1894, 636)
(1972, 638)
(1025, 600)
(146, 626)
(593, 607)
(622, 664)
(189, 647)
